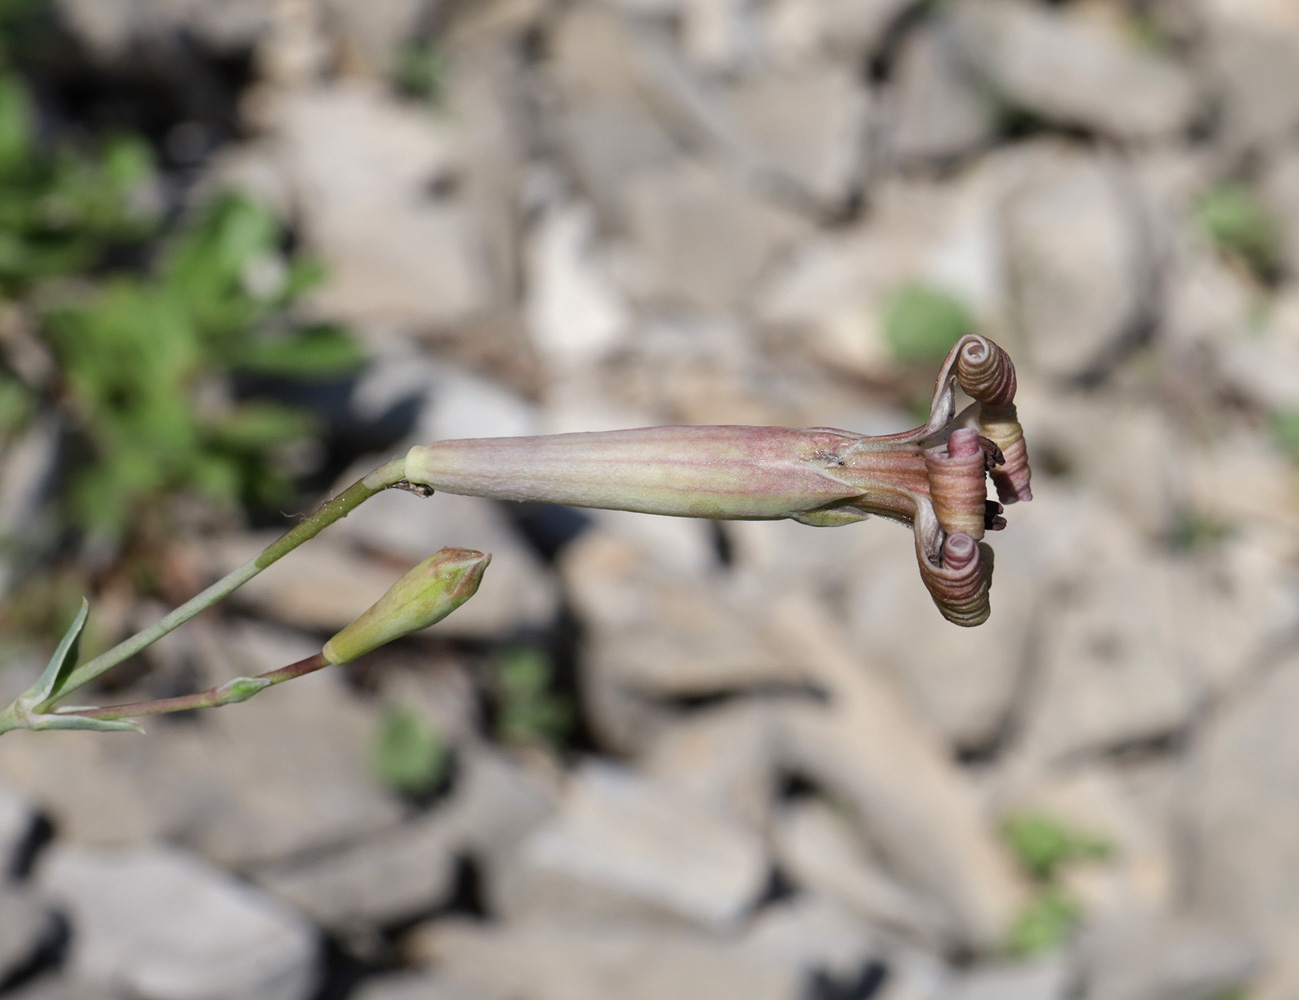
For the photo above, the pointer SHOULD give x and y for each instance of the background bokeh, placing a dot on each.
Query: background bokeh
(250, 249)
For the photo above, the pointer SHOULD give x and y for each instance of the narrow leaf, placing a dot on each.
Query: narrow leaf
(52, 721)
(61, 663)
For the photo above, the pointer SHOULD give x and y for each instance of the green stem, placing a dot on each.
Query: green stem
(237, 690)
(328, 512)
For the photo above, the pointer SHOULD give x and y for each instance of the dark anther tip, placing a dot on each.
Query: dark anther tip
(992, 456)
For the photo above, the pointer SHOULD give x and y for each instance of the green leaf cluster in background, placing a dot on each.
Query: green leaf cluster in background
(145, 354)
(1043, 846)
(137, 353)
(61, 209)
(921, 323)
(1232, 216)
(419, 72)
(528, 711)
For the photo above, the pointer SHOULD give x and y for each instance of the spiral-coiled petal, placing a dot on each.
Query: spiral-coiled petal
(960, 584)
(1012, 477)
(957, 487)
(985, 372)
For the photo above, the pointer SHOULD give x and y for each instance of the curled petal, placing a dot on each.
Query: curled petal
(985, 372)
(960, 583)
(1011, 477)
(956, 482)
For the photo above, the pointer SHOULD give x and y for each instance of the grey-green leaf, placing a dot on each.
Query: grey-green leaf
(51, 721)
(61, 663)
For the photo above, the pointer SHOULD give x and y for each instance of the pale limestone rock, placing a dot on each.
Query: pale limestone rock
(1070, 67)
(576, 315)
(411, 868)
(1078, 300)
(414, 986)
(1250, 50)
(698, 239)
(826, 940)
(870, 749)
(1177, 956)
(808, 127)
(1244, 804)
(110, 27)
(1263, 365)
(832, 292)
(822, 853)
(1279, 188)
(27, 925)
(160, 924)
(281, 774)
(964, 682)
(936, 110)
(382, 880)
(18, 819)
(364, 169)
(1110, 674)
(1041, 979)
(724, 758)
(545, 962)
(632, 849)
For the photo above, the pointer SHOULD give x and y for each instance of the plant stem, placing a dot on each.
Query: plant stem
(330, 511)
(237, 690)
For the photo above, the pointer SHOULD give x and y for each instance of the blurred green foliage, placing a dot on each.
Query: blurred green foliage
(420, 72)
(528, 711)
(1195, 530)
(1044, 924)
(61, 209)
(1148, 32)
(1042, 844)
(145, 349)
(1232, 216)
(921, 323)
(1285, 431)
(135, 350)
(408, 755)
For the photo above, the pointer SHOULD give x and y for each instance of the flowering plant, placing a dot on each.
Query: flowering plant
(933, 478)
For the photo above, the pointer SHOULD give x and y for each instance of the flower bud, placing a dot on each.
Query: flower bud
(425, 595)
(749, 473)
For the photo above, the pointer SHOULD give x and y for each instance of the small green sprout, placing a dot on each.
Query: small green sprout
(1044, 924)
(1285, 431)
(921, 323)
(1042, 844)
(1195, 531)
(420, 72)
(1232, 216)
(528, 710)
(408, 755)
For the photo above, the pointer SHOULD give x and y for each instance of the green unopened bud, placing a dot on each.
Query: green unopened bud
(425, 595)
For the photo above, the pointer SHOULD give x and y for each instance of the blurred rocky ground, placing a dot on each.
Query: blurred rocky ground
(665, 759)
